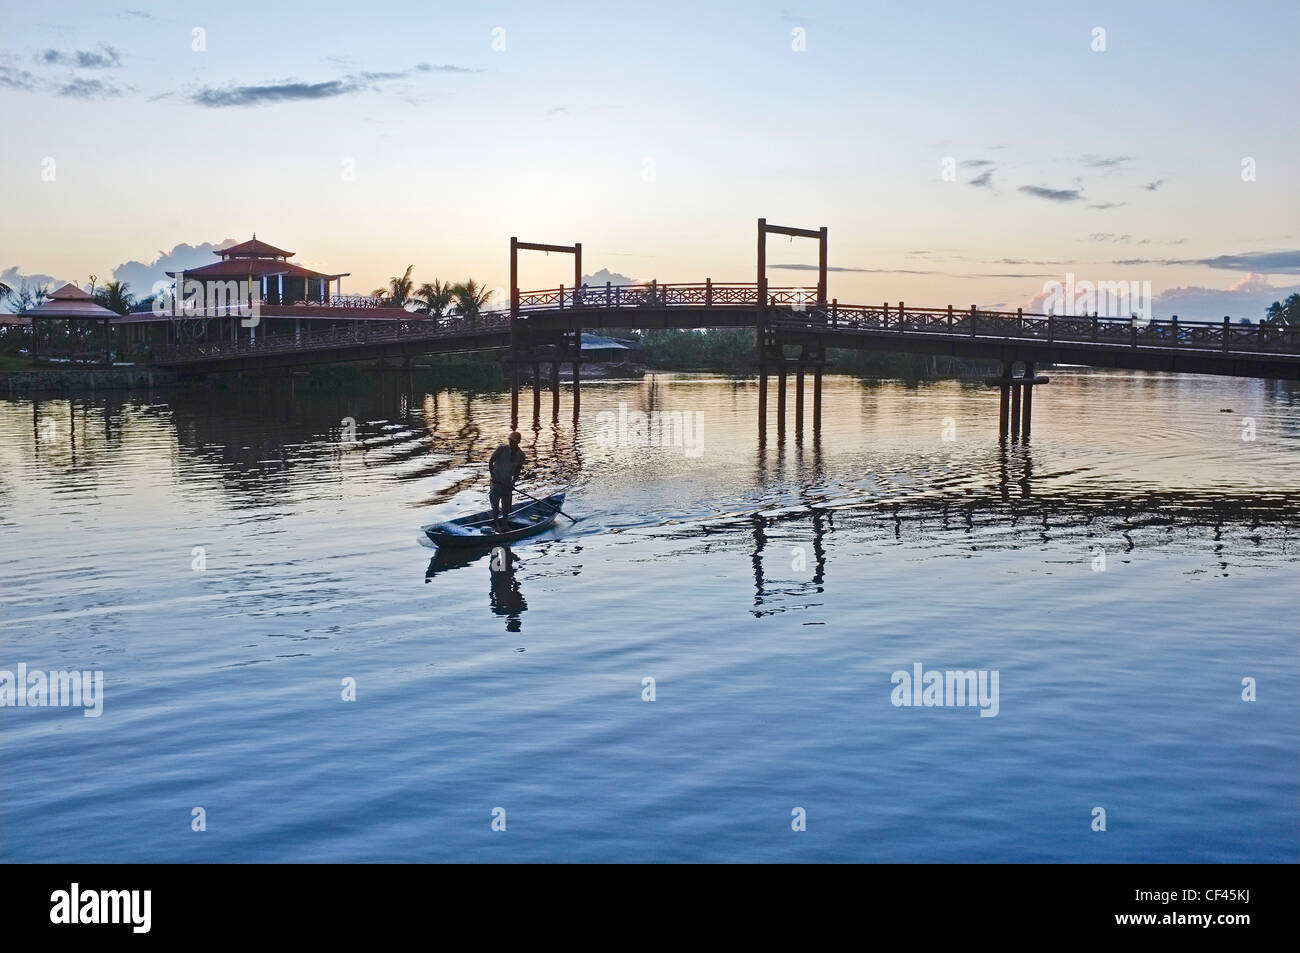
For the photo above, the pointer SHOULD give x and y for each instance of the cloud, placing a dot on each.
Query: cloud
(1109, 237)
(556, 110)
(1105, 205)
(104, 58)
(70, 87)
(1264, 262)
(288, 91)
(975, 163)
(79, 88)
(796, 267)
(273, 93)
(604, 275)
(1267, 262)
(1152, 186)
(444, 68)
(983, 181)
(867, 271)
(15, 279)
(1248, 298)
(18, 79)
(142, 275)
(1053, 195)
(1104, 162)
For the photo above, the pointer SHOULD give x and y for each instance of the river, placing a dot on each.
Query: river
(699, 666)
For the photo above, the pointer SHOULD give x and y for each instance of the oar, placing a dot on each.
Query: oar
(544, 503)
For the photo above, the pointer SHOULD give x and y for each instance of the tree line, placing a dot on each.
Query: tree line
(436, 298)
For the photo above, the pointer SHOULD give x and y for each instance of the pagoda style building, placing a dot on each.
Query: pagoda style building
(71, 305)
(292, 300)
(282, 281)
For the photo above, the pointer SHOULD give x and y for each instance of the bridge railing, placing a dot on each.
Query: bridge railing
(417, 329)
(1134, 332)
(656, 295)
(790, 308)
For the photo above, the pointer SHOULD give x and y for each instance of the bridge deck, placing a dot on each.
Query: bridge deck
(1208, 347)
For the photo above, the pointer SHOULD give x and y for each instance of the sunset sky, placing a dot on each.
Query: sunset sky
(367, 137)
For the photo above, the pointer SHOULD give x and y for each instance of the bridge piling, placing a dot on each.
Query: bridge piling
(555, 385)
(798, 397)
(1016, 401)
(514, 392)
(780, 399)
(1004, 405)
(577, 373)
(537, 394)
(817, 401)
(1027, 412)
(1015, 412)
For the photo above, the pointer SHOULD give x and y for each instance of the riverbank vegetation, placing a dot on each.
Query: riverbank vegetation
(731, 350)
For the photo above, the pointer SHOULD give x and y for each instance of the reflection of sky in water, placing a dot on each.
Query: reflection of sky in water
(770, 595)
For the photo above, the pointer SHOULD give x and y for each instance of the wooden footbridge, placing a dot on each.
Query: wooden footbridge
(793, 327)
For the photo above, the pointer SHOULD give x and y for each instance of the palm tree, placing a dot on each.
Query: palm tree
(471, 297)
(435, 297)
(1284, 312)
(115, 297)
(398, 290)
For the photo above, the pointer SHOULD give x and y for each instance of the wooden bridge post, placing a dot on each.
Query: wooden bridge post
(1027, 414)
(1015, 410)
(577, 372)
(819, 356)
(537, 394)
(514, 391)
(798, 395)
(514, 332)
(555, 382)
(821, 269)
(1004, 400)
(780, 397)
(760, 328)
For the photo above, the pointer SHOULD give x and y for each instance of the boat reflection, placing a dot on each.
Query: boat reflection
(505, 596)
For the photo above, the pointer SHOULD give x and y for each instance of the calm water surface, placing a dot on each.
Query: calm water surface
(770, 594)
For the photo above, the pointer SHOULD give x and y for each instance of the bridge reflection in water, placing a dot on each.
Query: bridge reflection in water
(253, 454)
(793, 330)
(797, 536)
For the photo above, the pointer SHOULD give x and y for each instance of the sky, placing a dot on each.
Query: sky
(958, 153)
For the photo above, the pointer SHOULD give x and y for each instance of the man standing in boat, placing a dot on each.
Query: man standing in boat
(504, 466)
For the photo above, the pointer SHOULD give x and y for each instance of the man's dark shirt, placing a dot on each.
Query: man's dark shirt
(505, 464)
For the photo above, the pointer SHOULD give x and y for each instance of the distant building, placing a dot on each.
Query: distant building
(606, 350)
(291, 300)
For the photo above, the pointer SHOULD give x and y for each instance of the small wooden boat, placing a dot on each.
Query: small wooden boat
(479, 529)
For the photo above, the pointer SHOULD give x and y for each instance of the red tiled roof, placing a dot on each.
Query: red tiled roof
(69, 292)
(253, 249)
(243, 267)
(70, 302)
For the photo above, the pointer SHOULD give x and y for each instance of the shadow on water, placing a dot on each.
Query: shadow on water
(505, 595)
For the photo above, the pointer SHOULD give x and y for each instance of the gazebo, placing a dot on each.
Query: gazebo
(256, 261)
(70, 303)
